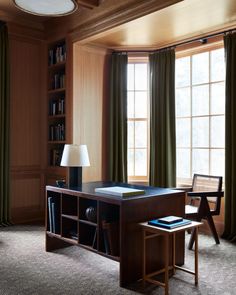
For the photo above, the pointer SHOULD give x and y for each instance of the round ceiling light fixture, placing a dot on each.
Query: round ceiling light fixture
(47, 7)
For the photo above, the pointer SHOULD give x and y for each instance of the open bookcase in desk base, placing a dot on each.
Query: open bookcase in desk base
(130, 211)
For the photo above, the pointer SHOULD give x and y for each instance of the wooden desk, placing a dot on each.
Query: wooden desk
(126, 212)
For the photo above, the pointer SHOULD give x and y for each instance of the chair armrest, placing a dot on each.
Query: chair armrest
(205, 194)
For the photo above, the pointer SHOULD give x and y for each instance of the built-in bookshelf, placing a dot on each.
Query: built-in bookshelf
(56, 127)
(84, 221)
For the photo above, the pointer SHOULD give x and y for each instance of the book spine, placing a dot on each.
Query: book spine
(53, 217)
(50, 213)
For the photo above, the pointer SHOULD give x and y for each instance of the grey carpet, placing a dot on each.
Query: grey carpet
(26, 269)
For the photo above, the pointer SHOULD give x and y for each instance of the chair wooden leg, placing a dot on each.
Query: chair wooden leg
(213, 229)
(192, 239)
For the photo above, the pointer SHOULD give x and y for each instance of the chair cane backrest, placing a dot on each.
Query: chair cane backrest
(208, 183)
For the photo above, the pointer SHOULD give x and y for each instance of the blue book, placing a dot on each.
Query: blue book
(55, 217)
(157, 223)
(50, 214)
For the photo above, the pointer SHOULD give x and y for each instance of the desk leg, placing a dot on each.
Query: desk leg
(173, 254)
(144, 257)
(166, 237)
(196, 255)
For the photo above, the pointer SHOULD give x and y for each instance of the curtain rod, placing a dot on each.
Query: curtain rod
(203, 40)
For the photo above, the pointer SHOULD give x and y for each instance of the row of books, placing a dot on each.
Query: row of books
(55, 157)
(57, 132)
(57, 55)
(57, 107)
(169, 222)
(58, 81)
(54, 215)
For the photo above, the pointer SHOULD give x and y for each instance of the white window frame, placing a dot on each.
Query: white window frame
(190, 52)
(134, 59)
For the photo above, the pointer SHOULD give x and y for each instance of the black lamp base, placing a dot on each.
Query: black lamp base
(75, 177)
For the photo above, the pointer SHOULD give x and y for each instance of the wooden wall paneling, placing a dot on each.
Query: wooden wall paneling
(88, 94)
(27, 200)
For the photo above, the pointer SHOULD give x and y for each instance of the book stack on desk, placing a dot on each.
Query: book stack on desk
(169, 222)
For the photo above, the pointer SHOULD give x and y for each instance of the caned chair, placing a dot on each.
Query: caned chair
(205, 199)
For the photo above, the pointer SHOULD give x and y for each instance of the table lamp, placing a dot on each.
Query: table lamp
(75, 157)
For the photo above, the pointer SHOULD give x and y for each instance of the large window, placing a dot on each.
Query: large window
(137, 120)
(200, 109)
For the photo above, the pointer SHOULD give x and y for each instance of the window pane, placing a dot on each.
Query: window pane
(183, 132)
(141, 76)
(141, 134)
(141, 104)
(200, 132)
(130, 99)
(200, 68)
(218, 131)
(217, 162)
(183, 102)
(140, 162)
(130, 134)
(182, 71)
(218, 98)
(183, 163)
(217, 65)
(200, 100)
(130, 77)
(130, 162)
(200, 160)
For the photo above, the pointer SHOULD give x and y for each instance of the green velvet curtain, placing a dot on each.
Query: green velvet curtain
(162, 119)
(230, 138)
(117, 164)
(4, 126)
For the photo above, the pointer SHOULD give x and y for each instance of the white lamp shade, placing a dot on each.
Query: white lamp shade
(75, 156)
(47, 7)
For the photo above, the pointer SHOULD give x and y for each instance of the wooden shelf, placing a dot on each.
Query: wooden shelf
(57, 110)
(73, 217)
(69, 240)
(58, 90)
(61, 116)
(57, 65)
(53, 235)
(56, 142)
(87, 222)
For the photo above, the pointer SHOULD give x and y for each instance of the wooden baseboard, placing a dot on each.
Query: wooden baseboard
(27, 215)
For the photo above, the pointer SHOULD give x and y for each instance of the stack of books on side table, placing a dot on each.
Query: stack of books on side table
(169, 222)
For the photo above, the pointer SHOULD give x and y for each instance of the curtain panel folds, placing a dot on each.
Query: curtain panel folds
(162, 119)
(230, 138)
(117, 164)
(4, 126)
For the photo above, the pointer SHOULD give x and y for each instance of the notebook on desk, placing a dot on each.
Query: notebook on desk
(120, 191)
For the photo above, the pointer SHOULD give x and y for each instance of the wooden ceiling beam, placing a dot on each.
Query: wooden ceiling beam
(88, 3)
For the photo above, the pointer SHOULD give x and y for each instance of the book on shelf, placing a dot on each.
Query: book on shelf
(55, 157)
(170, 219)
(57, 132)
(94, 239)
(57, 54)
(50, 214)
(120, 191)
(176, 224)
(54, 215)
(57, 107)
